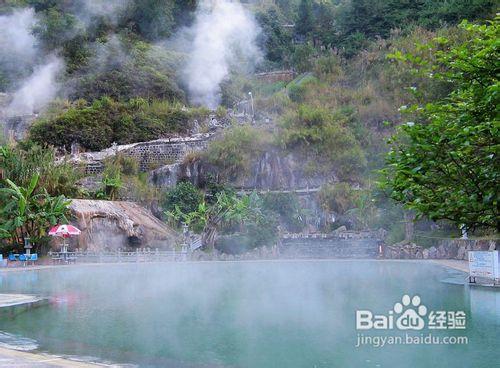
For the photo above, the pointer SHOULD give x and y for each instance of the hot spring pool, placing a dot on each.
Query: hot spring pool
(246, 314)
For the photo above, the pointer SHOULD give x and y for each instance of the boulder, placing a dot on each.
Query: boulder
(340, 229)
(441, 252)
(433, 252)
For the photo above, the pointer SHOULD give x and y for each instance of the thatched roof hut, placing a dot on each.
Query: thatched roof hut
(117, 224)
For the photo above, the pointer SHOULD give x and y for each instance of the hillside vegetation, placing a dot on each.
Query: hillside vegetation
(362, 70)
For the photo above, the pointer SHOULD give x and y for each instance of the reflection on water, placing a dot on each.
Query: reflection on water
(253, 314)
(485, 305)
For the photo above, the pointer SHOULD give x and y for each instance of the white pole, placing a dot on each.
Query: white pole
(251, 101)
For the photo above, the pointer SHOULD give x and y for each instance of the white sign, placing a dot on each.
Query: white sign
(484, 264)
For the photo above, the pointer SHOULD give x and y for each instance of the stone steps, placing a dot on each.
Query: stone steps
(330, 248)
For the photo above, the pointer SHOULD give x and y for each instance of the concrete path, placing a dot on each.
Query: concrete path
(14, 300)
(21, 359)
(453, 263)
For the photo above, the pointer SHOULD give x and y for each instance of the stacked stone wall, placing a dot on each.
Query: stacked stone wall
(446, 249)
(330, 248)
(150, 155)
(277, 76)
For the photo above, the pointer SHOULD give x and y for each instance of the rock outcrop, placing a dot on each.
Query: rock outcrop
(116, 224)
(272, 170)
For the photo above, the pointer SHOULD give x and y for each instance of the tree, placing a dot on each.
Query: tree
(305, 22)
(55, 28)
(153, 19)
(275, 39)
(185, 196)
(226, 210)
(28, 212)
(446, 165)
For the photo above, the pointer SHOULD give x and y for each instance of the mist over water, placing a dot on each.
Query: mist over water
(223, 36)
(241, 314)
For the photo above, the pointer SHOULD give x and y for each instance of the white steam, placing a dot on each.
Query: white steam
(16, 40)
(34, 73)
(224, 37)
(37, 90)
(110, 9)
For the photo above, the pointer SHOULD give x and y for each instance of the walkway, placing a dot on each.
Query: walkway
(296, 191)
(453, 263)
(15, 300)
(21, 359)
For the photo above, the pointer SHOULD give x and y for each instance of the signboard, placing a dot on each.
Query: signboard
(484, 264)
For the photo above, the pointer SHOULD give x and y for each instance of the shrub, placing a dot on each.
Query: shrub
(287, 207)
(338, 198)
(185, 196)
(234, 153)
(324, 140)
(123, 69)
(20, 163)
(96, 126)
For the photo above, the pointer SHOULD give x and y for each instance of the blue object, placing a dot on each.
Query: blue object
(12, 257)
(23, 258)
(34, 257)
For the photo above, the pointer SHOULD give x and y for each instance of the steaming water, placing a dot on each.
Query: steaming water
(252, 314)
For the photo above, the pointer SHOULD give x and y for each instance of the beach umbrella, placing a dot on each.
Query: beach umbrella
(64, 231)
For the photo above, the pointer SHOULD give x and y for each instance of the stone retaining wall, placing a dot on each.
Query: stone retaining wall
(152, 154)
(277, 76)
(330, 248)
(148, 154)
(447, 249)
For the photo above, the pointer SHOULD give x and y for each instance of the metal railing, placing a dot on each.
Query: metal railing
(119, 256)
(366, 234)
(195, 243)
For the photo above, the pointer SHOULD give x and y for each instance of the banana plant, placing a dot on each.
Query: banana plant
(29, 211)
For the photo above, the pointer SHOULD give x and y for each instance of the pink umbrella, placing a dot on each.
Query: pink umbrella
(64, 231)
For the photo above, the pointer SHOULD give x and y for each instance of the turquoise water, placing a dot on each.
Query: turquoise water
(247, 314)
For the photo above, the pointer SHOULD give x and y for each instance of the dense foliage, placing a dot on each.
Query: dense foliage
(184, 196)
(236, 151)
(324, 141)
(28, 212)
(446, 164)
(226, 212)
(349, 25)
(97, 125)
(19, 164)
(287, 208)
